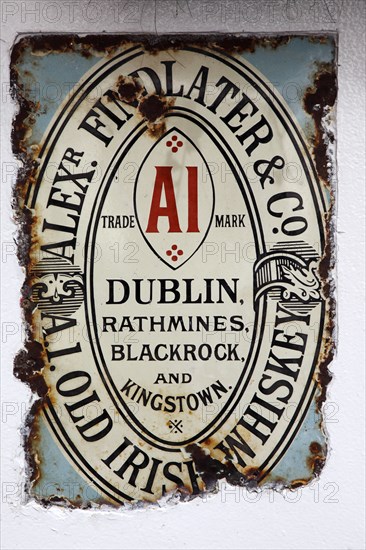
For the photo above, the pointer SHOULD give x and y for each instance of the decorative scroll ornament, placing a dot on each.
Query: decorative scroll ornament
(296, 277)
(57, 286)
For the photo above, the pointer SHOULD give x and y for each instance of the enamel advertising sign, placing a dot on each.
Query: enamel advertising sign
(174, 207)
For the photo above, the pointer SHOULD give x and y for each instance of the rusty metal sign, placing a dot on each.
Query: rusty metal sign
(174, 209)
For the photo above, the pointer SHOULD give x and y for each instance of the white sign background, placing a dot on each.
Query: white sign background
(329, 514)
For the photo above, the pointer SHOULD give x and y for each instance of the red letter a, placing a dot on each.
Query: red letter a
(163, 180)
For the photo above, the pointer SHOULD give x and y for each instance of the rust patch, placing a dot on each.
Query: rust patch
(324, 376)
(108, 44)
(235, 44)
(30, 437)
(316, 460)
(298, 483)
(129, 89)
(211, 470)
(315, 447)
(29, 362)
(28, 366)
(231, 43)
(318, 99)
(326, 265)
(153, 109)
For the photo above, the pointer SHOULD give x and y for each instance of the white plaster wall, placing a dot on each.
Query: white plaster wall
(330, 513)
